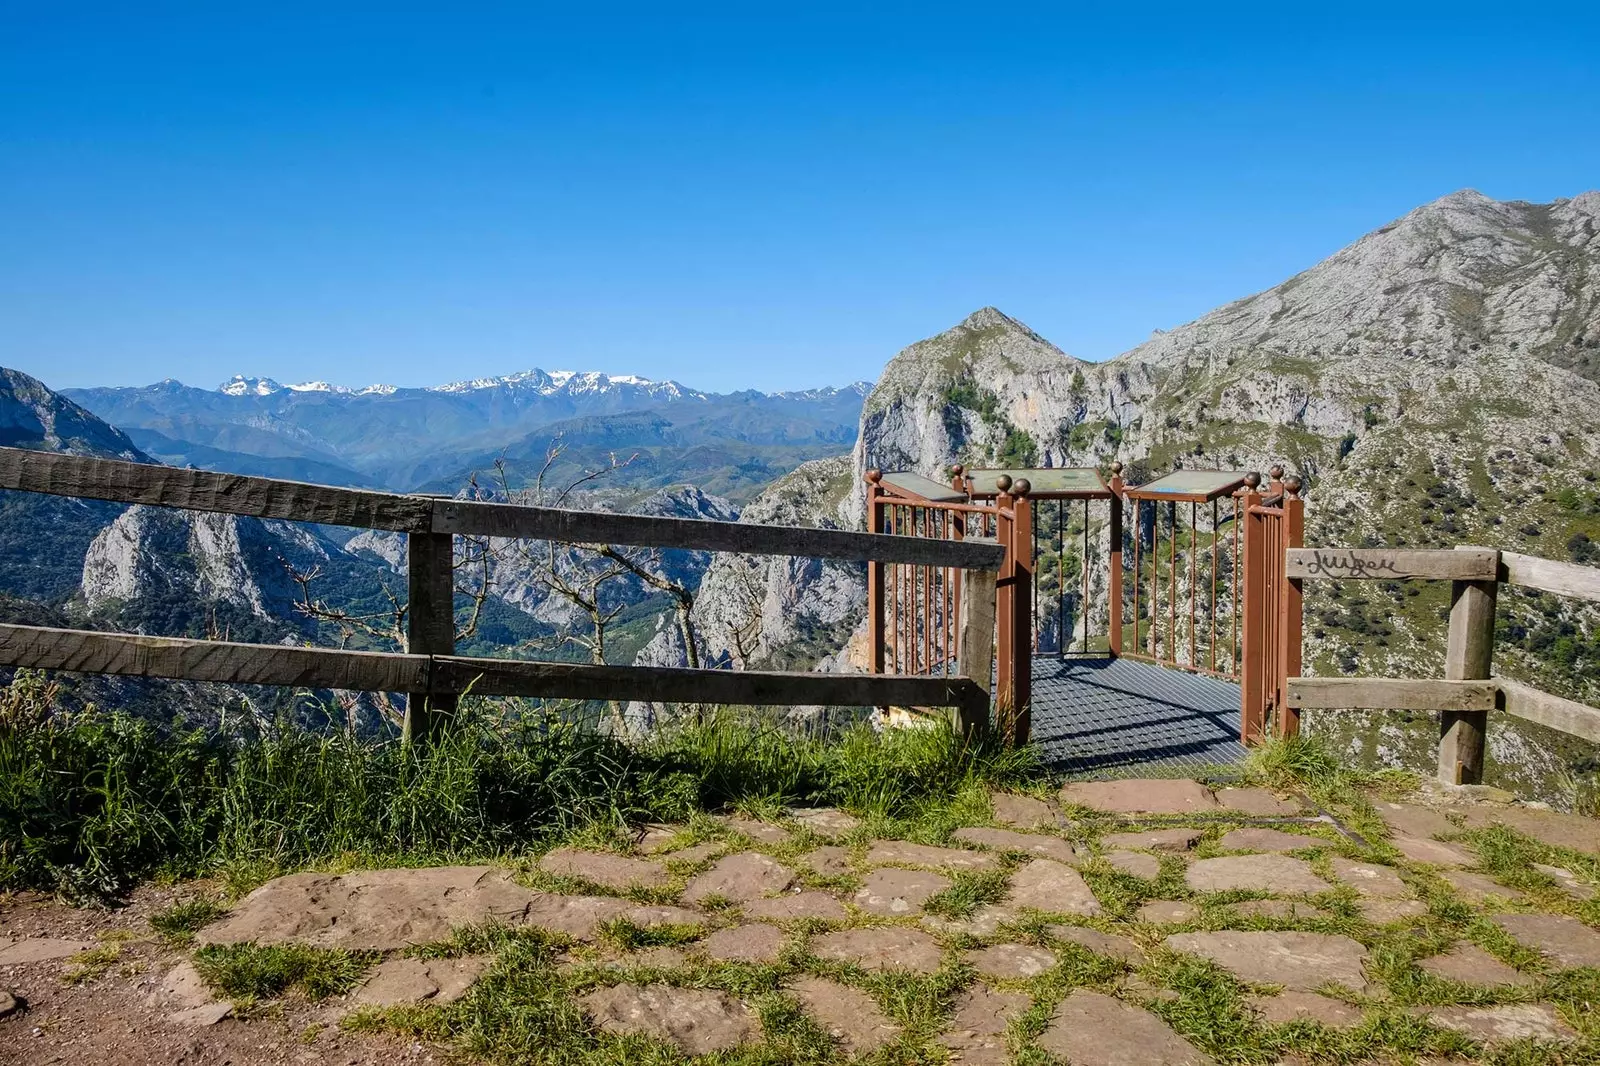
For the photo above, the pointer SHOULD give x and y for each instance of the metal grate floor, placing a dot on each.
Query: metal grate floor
(1112, 716)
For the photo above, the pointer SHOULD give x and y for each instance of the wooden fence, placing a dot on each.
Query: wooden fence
(430, 671)
(1469, 689)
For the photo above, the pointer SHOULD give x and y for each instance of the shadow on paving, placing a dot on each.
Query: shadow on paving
(1094, 716)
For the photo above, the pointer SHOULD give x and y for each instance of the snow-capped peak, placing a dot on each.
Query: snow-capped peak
(317, 386)
(239, 385)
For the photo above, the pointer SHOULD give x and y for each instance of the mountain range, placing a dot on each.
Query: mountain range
(1435, 383)
(403, 439)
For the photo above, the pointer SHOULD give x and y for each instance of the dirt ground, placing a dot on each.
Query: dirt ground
(108, 1018)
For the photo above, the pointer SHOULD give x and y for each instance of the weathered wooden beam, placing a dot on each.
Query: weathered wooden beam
(601, 527)
(201, 490)
(1384, 693)
(430, 625)
(975, 647)
(1468, 656)
(131, 655)
(1556, 712)
(1391, 564)
(660, 684)
(1547, 575)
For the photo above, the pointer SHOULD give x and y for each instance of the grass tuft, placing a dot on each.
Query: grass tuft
(255, 971)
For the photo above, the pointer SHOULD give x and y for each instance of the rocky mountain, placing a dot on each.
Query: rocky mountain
(401, 438)
(1435, 383)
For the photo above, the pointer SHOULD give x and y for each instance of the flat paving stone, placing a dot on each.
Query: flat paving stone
(1135, 796)
(792, 906)
(1305, 1007)
(386, 910)
(200, 1017)
(1563, 940)
(1281, 910)
(1155, 839)
(1370, 879)
(977, 1032)
(1479, 889)
(1138, 863)
(1278, 874)
(1433, 852)
(40, 949)
(181, 988)
(1384, 911)
(434, 981)
(847, 1014)
(760, 832)
(619, 872)
(1497, 1025)
(1168, 912)
(745, 943)
(1052, 887)
(893, 891)
(882, 948)
(655, 837)
(1093, 1029)
(984, 921)
(580, 917)
(1049, 847)
(825, 821)
(903, 851)
(745, 875)
(1576, 831)
(1567, 881)
(1012, 962)
(1296, 960)
(1117, 947)
(1414, 820)
(1471, 965)
(1023, 812)
(695, 853)
(697, 1021)
(1260, 838)
(1258, 802)
(830, 860)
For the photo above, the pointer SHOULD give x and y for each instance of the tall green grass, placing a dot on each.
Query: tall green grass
(92, 803)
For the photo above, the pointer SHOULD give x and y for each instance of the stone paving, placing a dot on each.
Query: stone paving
(1108, 925)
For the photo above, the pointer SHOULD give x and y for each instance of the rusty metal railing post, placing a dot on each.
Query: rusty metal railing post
(1114, 579)
(1252, 694)
(1292, 609)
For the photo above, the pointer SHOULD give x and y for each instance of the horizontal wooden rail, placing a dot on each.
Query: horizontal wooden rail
(1383, 693)
(258, 497)
(1547, 575)
(1390, 564)
(177, 658)
(1534, 705)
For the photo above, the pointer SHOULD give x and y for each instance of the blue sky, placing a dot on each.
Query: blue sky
(383, 193)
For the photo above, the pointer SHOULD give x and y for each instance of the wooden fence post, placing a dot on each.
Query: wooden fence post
(1469, 656)
(1114, 580)
(1022, 603)
(1292, 606)
(976, 656)
(1005, 609)
(430, 626)
(1252, 664)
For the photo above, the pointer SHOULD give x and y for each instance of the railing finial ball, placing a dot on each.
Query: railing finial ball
(1276, 473)
(1116, 467)
(1021, 487)
(1252, 479)
(957, 470)
(1003, 482)
(1291, 485)
(874, 475)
